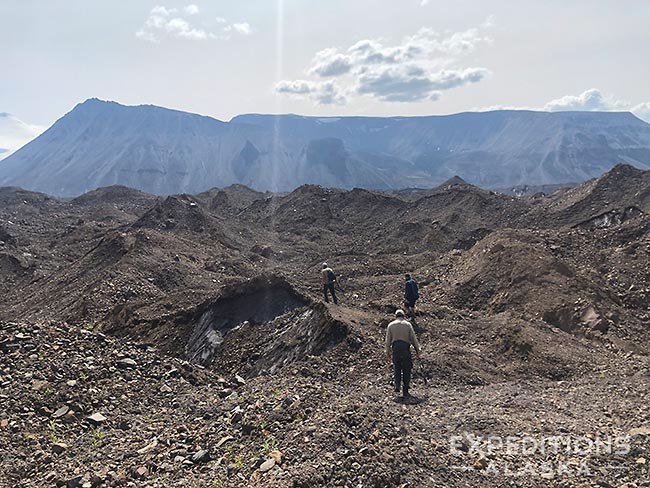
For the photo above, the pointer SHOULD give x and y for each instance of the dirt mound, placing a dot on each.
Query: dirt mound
(234, 197)
(529, 324)
(116, 195)
(519, 271)
(178, 212)
(11, 195)
(623, 191)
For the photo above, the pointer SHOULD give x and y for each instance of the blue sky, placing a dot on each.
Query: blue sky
(334, 57)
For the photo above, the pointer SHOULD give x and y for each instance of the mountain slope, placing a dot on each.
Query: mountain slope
(488, 148)
(14, 133)
(165, 151)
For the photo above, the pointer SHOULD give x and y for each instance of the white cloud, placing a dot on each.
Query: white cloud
(239, 27)
(589, 100)
(424, 2)
(592, 100)
(642, 111)
(174, 23)
(14, 133)
(163, 21)
(146, 35)
(404, 83)
(179, 27)
(418, 68)
(322, 93)
(295, 87)
(163, 11)
(329, 62)
(329, 94)
(191, 9)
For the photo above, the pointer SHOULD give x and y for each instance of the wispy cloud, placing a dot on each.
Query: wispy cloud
(420, 67)
(239, 27)
(186, 23)
(191, 9)
(14, 133)
(320, 92)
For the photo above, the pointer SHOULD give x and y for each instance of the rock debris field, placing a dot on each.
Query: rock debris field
(183, 341)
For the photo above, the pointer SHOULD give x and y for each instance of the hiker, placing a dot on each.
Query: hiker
(328, 279)
(411, 294)
(400, 336)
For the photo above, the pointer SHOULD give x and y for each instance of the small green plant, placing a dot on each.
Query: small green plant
(48, 391)
(269, 445)
(297, 419)
(83, 375)
(218, 483)
(230, 449)
(276, 392)
(54, 435)
(161, 479)
(98, 436)
(239, 462)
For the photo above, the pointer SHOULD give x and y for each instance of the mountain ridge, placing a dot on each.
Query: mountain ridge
(168, 151)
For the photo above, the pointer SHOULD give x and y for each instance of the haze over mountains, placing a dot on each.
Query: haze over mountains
(15, 133)
(166, 151)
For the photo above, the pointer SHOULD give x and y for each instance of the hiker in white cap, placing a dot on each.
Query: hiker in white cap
(400, 336)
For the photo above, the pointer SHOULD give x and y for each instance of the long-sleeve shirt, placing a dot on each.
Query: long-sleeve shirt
(410, 290)
(401, 330)
(325, 279)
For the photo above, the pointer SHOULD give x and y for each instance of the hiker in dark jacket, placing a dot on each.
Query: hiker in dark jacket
(328, 279)
(411, 294)
(400, 336)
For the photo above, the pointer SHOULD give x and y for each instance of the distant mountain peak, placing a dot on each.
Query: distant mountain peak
(166, 151)
(623, 170)
(453, 181)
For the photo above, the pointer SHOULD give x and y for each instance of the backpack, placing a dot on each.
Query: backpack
(331, 277)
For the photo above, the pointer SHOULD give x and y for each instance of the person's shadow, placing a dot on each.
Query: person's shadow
(411, 400)
(415, 325)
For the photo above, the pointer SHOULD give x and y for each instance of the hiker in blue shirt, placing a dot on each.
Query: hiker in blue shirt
(411, 294)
